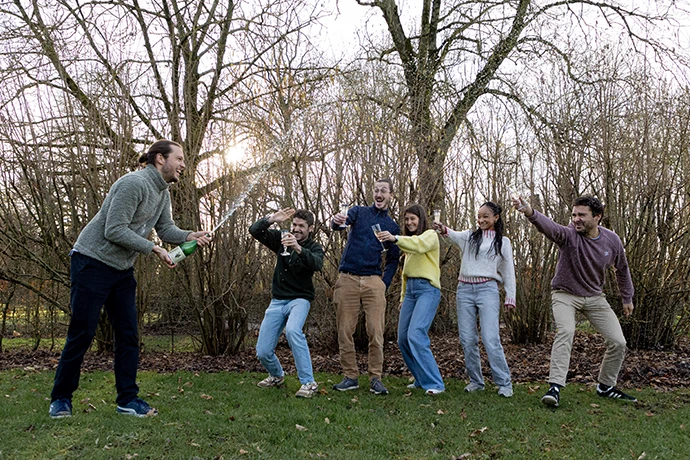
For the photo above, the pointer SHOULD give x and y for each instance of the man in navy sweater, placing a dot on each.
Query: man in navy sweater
(362, 285)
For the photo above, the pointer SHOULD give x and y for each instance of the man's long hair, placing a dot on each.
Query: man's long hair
(162, 146)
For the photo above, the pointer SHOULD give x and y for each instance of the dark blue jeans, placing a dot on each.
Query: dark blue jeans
(94, 285)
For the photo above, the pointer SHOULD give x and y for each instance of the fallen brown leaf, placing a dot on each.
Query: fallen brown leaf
(479, 431)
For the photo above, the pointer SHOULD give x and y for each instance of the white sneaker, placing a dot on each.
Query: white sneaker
(271, 381)
(412, 386)
(434, 391)
(506, 391)
(307, 390)
(472, 387)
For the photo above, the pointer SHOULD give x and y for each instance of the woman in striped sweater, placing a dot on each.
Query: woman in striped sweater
(420, 296)
(487, 259)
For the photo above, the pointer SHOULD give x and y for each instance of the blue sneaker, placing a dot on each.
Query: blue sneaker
(60, 408)
(346, 384)
(376, 387)
(137, 407)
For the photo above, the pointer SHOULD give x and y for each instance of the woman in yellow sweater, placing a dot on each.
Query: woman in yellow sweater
(420, 296)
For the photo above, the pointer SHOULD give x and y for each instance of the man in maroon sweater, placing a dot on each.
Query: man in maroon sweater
(586, 251)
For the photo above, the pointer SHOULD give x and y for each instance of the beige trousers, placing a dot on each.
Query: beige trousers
(600, 315)
(352, 293)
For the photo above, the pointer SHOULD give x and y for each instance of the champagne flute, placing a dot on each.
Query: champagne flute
(343, 210)
(376, 228)
(285, 252)
(437, 218)
(514, 195)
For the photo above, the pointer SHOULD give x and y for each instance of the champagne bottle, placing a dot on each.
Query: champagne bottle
(182, 251)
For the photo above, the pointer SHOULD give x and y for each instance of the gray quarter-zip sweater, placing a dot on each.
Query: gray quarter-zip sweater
(136, 203)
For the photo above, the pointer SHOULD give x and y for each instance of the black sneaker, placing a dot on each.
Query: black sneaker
(552, 397)
(376, 387)
(614, 393)
(60, 408)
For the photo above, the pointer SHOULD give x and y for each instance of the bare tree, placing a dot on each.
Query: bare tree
(462, 51)
(130, 73)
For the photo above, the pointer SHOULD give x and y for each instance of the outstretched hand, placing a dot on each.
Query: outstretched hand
(339, 219)
(521, 205)
(281, 216)
(440, 228)
(385, 236)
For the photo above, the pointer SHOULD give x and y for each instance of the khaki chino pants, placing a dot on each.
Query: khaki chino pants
(600, 315)
(351, 294)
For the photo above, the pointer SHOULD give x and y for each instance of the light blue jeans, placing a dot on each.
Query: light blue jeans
(289, 315)
(416, 315)
(481, 299)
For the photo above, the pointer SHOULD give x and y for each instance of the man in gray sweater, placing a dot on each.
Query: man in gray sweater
(102, 274)
(586, 251)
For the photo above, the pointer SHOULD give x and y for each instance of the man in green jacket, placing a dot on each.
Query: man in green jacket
(102, 274)
(292, 290)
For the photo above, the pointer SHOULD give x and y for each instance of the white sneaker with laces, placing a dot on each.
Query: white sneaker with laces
(271, 381)
(307, 390)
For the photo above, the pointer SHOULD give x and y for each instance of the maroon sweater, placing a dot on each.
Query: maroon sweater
(582, 261)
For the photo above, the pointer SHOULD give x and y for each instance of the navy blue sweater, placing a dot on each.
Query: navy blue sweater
(362, 254)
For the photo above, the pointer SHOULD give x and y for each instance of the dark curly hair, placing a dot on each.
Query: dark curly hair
(592, 203)
(305, 215)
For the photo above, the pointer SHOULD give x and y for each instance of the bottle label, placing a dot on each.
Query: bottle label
(176, 255)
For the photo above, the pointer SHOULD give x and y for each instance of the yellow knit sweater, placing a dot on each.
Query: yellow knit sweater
(421, 258)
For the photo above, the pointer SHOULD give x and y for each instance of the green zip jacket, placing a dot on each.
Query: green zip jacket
(292, 277)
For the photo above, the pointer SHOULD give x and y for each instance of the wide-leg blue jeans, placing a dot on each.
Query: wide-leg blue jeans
(416, 315)
(289, 315)
(481, 299)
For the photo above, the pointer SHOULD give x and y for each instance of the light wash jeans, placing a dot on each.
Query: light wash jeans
(416, 315)
(289, 315)
(481, 299)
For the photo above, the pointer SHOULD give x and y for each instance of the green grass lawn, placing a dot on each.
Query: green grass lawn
(227, 416)
(150, 343)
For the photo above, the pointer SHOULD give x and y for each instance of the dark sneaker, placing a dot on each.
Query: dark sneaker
(376, 387)
(346, 384)
(614, 393)
(271, 381)
(138, 408)
(60, 408)
(552, 397)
